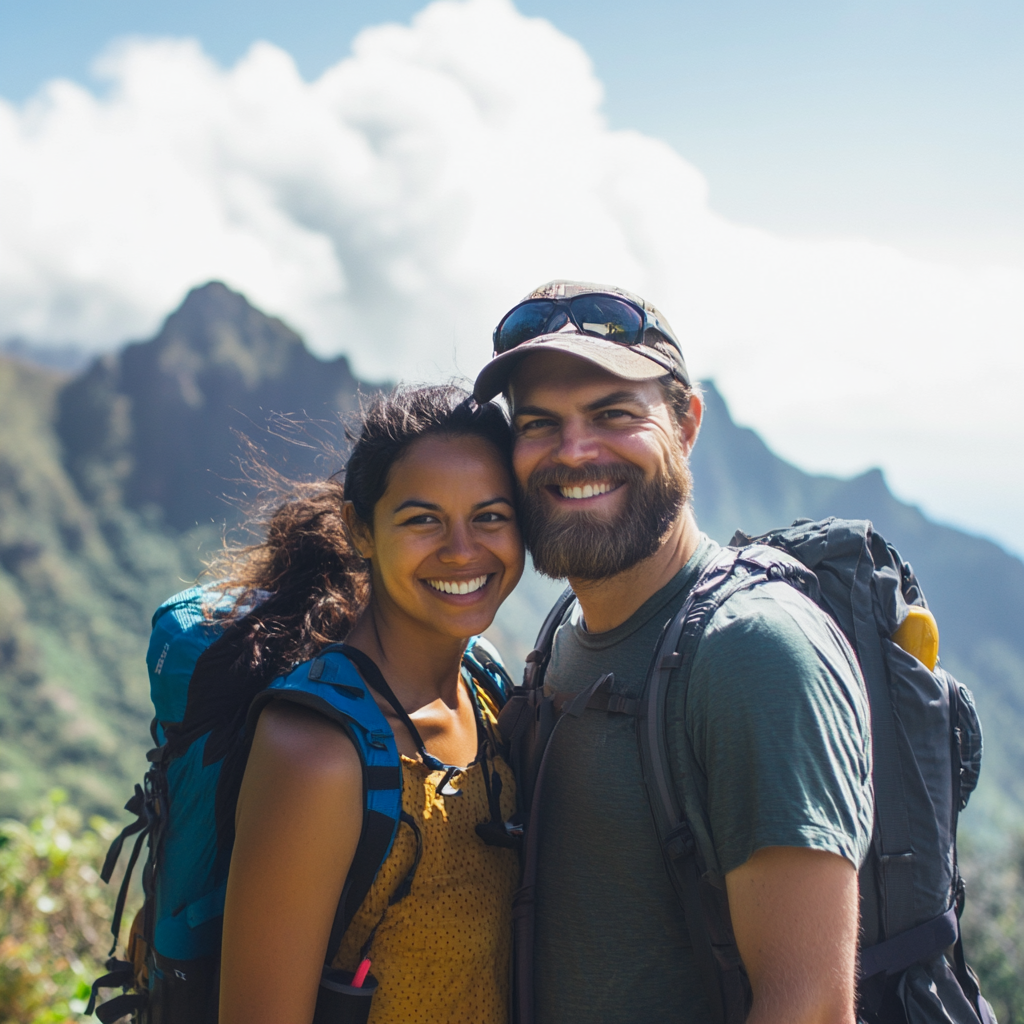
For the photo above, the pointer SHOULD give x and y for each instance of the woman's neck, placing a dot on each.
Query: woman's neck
(420, 665)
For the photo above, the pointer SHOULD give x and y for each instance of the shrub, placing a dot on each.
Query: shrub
(55, 913)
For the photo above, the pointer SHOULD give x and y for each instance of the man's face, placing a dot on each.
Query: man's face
(601, 463)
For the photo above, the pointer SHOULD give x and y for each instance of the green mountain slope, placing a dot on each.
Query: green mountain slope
(76, 586)
(104, 476)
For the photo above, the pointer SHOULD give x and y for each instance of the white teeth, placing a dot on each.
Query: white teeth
(586, 491)
(458, 586)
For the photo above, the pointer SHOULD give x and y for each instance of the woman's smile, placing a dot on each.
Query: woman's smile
(460, 588)
(445, 548)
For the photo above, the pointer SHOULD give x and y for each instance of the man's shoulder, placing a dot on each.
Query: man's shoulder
(770, 642)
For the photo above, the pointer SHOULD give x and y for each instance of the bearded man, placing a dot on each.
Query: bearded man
(772, 732)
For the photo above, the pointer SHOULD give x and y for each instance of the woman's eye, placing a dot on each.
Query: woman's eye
(422, 520)
(491, 517)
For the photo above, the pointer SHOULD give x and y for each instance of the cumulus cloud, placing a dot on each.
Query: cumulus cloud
(393, 208)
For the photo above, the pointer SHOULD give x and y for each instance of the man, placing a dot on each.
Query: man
(773, 731)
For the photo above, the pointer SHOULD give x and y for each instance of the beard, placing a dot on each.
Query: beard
(589, 546)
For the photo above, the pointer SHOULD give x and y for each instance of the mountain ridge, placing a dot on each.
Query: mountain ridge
(114, 482)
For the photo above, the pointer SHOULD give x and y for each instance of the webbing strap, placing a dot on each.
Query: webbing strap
(895, 856)
(897, 954)
(122, 893)
(374, 842)
(120, 1006)
(120, 974)
(537, 659)
(724, 987)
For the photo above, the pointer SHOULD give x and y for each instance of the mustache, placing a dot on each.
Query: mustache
(576, 476)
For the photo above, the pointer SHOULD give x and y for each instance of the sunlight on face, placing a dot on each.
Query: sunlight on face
(602, 466)
(446, 549)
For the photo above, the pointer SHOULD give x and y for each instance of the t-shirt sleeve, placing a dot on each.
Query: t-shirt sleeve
(778, 720)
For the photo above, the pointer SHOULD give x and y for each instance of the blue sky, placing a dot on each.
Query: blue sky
(900, 121)
(830, 192)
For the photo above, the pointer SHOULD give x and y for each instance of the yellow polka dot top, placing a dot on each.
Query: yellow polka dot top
(441, 954)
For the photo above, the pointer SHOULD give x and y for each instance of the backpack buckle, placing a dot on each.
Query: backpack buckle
(679, 842)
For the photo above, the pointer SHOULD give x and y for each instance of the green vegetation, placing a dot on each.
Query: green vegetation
(993, 925)
(55, 917)
(77, 585)
(54, 913)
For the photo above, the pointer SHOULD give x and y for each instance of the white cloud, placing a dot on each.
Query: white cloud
(394, 208)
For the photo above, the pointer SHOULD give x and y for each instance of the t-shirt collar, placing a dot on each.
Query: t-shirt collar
(657, 602)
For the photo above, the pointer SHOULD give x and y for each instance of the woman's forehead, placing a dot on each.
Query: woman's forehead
(435, 461)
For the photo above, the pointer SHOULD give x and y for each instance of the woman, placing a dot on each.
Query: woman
(428, 551)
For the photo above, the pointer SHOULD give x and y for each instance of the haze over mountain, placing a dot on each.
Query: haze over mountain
(113, 483)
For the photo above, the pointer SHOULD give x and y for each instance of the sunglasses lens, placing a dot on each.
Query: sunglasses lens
(526, 321)
(609, 318)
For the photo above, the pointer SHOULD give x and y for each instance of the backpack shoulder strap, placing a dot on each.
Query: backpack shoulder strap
(330, 685)
(537, 659)
(705, 907)
(858, 567)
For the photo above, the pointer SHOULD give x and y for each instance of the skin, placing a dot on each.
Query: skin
(570, 413)
(447, 514)
(794, 910)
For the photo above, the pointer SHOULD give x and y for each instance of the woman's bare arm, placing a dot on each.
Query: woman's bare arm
(299, 816)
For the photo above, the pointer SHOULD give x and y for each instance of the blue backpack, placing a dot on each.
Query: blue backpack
(185, 807)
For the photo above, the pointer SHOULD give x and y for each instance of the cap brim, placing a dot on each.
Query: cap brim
(620, 360)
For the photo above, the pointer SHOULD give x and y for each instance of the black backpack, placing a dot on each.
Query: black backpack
(927, 755)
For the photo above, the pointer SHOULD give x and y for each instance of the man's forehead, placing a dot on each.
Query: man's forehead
(556, 376)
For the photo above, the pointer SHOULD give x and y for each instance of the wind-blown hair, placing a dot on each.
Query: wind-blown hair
(316, 582)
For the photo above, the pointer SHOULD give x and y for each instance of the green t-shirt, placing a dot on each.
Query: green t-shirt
(777, 719)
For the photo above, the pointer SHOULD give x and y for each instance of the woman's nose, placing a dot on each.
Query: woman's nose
(459, 546)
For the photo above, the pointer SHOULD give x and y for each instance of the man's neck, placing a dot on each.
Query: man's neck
(608, 603)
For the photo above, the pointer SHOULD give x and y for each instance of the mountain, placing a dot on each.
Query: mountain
(76, 588)
(113, 484)
(151, 426)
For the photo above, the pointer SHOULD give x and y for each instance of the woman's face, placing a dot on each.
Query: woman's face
(445, 547)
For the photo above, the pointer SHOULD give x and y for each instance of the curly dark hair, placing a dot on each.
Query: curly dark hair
(316, 583)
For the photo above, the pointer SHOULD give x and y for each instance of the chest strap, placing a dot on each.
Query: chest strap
(597, 697)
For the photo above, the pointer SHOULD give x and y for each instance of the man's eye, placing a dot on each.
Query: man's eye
(534, 425)
(612, 414)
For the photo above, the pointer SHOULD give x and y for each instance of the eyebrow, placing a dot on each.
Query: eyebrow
(430, 506)
(624, 395)
(613, 399)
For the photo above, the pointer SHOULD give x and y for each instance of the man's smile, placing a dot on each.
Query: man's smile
(589, 490)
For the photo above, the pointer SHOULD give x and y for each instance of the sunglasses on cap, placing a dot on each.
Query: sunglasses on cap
(600, 315)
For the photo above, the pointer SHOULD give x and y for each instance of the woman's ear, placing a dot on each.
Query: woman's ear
(359, 532)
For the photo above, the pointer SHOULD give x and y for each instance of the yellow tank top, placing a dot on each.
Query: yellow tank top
(441, 954)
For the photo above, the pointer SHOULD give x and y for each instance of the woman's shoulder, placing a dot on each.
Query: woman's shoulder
(297, 743)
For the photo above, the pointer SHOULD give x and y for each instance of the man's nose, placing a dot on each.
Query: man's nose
(576, 444)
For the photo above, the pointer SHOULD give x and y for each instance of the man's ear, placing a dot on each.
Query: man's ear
(689, 426)
(359, 532)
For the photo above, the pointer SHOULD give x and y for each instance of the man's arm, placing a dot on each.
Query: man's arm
(794, 913)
